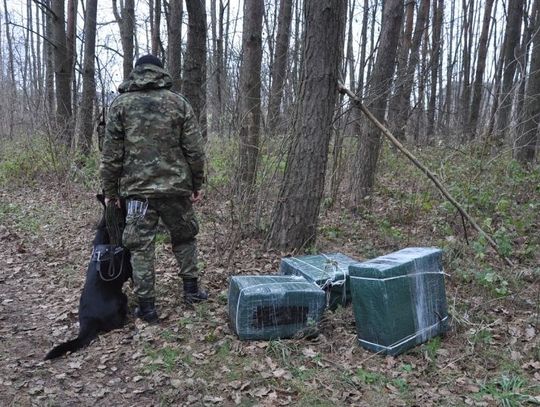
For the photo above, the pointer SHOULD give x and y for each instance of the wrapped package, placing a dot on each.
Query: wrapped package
(399, 299)
(273, 307)
(328, 271)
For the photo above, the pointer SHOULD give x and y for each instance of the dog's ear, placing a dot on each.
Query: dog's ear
(101, 198)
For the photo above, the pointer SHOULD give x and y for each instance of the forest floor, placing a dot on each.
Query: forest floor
(490, 356)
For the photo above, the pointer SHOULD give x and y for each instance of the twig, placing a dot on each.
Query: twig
(424, 169)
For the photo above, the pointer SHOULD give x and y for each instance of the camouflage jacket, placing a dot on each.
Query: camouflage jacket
(152, 146)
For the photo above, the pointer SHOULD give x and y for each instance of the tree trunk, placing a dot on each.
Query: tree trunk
(295, 218)
(174, 31)
(522, 74)
(438, 12)
(510, 49)
(89, 84)
(468, 8)
(250, 94)
(49, 60)
(450, 62)
(401, 110)
(279, 66)
(11, 72)
(350, 50)
(296, 51)
(363, 45)
(402, 61)
(377, 100)
(526, 143)
(156, 24)
(126, 23)
(194, 81)
(62, 70)
(71, 45)
(221, 71)
(478, 86)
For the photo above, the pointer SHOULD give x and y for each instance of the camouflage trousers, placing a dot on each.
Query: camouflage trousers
(140, 233)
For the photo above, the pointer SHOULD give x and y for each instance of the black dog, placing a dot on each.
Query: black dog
(103, 305)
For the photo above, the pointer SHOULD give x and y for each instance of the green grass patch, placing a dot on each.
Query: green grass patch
(20, 216)
(510, 390)
(165, 359)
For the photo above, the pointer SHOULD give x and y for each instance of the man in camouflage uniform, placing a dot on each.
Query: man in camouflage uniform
(153, 156)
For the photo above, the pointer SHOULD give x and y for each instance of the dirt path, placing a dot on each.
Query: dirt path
(192, 357)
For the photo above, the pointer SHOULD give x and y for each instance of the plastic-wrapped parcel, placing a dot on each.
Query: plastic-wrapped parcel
(399, 299)
(272, 307)
(329, 271)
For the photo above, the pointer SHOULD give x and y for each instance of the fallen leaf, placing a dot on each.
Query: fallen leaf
(309, 352)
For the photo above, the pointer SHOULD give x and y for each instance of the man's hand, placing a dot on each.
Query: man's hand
(115, 201)
(196, 197)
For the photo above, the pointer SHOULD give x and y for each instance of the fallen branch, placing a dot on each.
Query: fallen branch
(423, 168)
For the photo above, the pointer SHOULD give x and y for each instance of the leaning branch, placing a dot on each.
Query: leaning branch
(423, 168)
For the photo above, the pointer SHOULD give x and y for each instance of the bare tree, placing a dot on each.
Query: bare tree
(363, 45)
(467, 34)
(250, 93)
(62, 70)
(480, 69)
(295, 218)
(155, 23)
(369, 144)
(435, 64)
(194, 81)
(401, 104)
(125, 17)
(174, 31)
(89, 83)
(279, 67)
(510, 48)
(11, 70)
(527, 142)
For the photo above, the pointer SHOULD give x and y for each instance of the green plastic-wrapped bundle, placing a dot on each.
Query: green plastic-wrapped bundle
(329, 271)
(399, 299)
(272, 307)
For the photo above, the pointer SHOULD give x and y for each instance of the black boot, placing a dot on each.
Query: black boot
(192, 292)
(147, 310)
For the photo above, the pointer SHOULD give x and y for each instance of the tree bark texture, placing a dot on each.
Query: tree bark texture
(89, 83)
(279, 67)
(295, 218)
(510, 49)
(478, 87)
(71, 44)
(404, 85)
(174, 30)
(156, 24)
(468, 8)
(250, 93)
(49, 60)
(194, 81)
(435, 63)
(62, 71)
(126, 23)
(369, 144)
(363, 46)
(526, 143)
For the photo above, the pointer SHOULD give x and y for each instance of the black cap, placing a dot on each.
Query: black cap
(149, 59)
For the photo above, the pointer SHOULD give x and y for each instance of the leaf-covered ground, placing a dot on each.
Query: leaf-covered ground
(490, 356)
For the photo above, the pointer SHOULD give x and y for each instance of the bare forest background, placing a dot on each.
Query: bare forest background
(263, 76)
(298, 102)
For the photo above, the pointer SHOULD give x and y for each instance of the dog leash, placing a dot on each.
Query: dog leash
(111, 270)
(114, 221)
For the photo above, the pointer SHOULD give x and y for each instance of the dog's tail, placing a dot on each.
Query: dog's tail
(71, 346)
